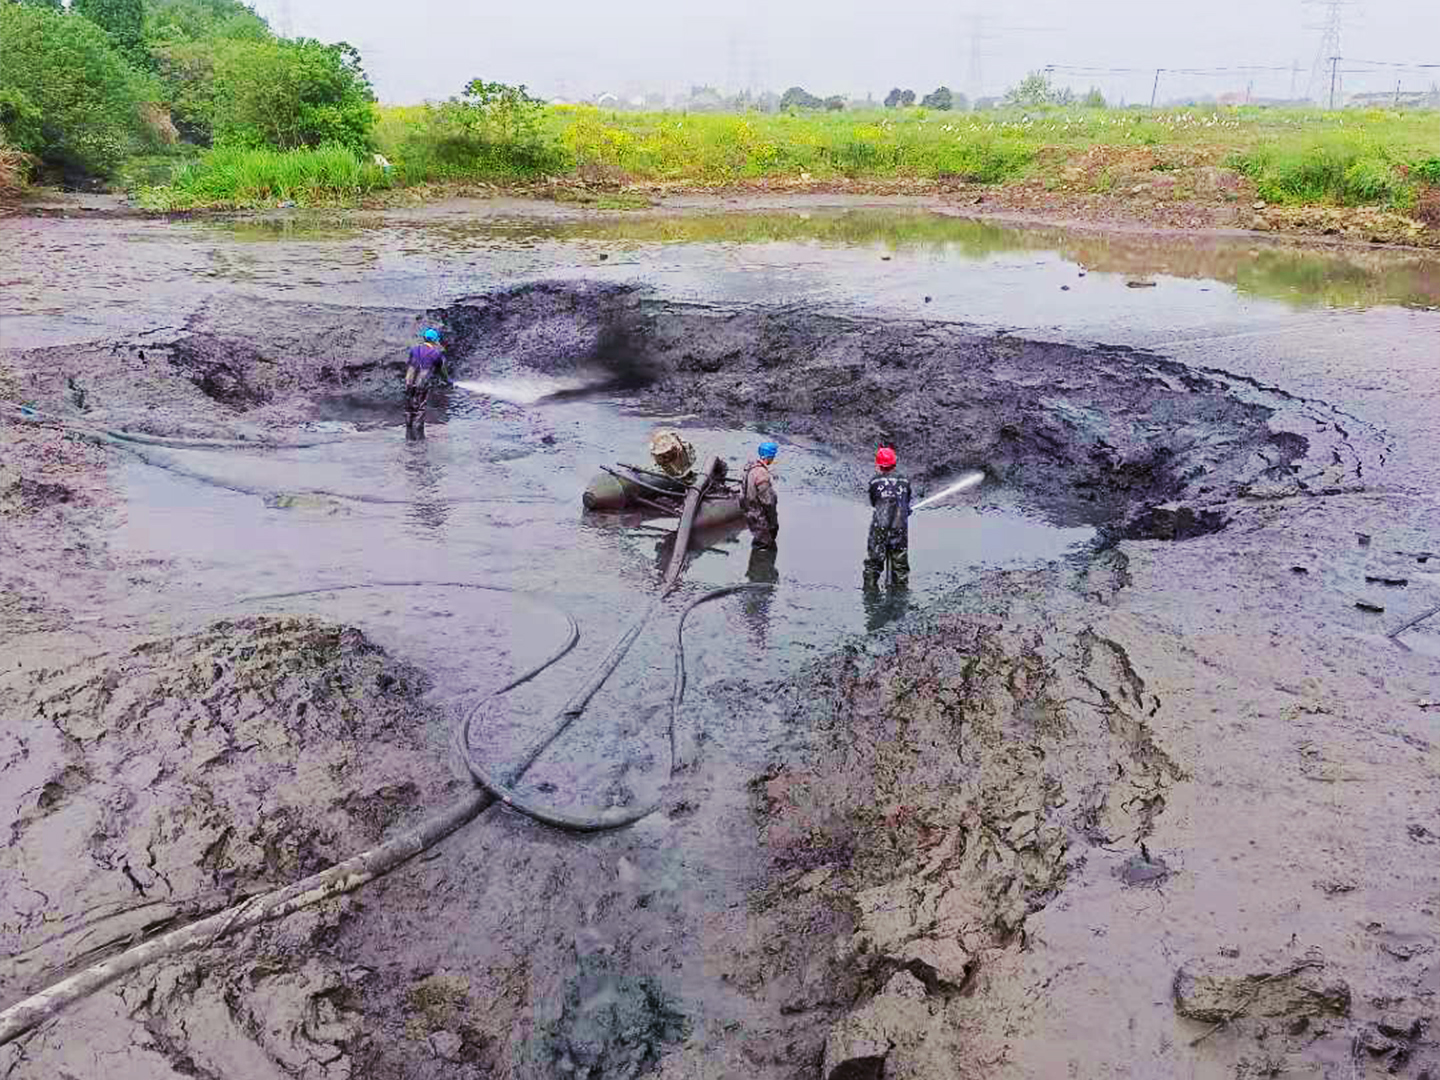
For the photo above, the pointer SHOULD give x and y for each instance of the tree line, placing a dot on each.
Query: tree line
(1035, 90)
(83, 89)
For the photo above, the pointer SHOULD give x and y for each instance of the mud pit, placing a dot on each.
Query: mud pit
(1130, 769)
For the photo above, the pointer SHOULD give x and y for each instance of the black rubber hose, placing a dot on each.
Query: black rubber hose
(502, 788)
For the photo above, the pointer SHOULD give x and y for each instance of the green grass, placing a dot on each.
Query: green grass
(230, 178)
(1293, 157)
(1351, 168)
(991, 147)
(720, 149)
(155, 170)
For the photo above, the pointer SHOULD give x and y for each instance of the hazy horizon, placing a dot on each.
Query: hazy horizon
(429, 48)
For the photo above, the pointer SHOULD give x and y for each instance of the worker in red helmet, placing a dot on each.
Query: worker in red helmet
(889, 522)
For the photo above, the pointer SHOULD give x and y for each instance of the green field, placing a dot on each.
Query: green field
(1373, 158)
(200, 104)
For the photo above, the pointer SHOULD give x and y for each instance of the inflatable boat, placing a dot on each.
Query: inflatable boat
(630, 488)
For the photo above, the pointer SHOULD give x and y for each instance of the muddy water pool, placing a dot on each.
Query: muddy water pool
(483, 500)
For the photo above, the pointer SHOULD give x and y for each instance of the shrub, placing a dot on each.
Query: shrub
(21, 123)
(797, 97)
(1372, 180)
(291, 94)
(87, 96)
(985, 161)
(941, 98)
(1429, 171)
(170, 21)
(490, 132)
(122, 20)
(187, 69)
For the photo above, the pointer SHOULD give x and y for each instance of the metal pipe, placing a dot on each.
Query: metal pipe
(687, 524)
(669, 510)
(659, 476)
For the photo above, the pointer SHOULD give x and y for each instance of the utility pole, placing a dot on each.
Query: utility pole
(1155, 90)
(1334, 75)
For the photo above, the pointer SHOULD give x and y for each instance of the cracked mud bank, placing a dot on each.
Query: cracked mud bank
(1169, 806)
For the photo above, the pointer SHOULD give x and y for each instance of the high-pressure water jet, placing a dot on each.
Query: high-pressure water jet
(965, 483)
(526, 390)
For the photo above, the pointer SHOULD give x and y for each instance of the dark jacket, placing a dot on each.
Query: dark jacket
(890, 496)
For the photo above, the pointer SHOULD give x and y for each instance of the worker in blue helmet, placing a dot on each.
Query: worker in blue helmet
(757, 497)
(424, 366)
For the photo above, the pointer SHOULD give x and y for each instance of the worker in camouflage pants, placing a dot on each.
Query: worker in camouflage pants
(757, 498)
(889, 522)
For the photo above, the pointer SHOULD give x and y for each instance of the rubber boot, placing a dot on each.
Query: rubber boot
(871, 580)
(900, 569)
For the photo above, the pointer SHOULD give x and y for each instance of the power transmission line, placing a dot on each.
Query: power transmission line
(1388, 63)
(981, 32)
(975, 76)
(1323, 69)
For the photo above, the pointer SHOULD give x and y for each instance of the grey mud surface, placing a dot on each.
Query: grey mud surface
(1142, 779)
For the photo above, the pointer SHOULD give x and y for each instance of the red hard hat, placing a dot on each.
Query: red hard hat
(885, 457)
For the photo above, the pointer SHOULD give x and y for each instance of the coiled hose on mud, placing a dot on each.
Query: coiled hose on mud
(365, 867)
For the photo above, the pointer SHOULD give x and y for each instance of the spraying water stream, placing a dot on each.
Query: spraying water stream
(965, 483)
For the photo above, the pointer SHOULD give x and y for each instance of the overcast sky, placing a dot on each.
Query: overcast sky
(423, 49)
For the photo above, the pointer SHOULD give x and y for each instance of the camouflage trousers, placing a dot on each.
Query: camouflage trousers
(764, 525)
(883, 543)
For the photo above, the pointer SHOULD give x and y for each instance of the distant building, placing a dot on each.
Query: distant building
(705, 99)
(1405, 99)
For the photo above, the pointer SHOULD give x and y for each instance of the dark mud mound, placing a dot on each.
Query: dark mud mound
(1093, 434)
(232, 363)
(552, 328)
(953, 783)
(175, 776)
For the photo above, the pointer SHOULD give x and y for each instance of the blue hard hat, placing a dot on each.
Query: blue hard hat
(769, 449)
(431, 334)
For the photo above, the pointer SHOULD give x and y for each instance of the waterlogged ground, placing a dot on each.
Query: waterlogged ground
(913, 837)
(64, 280)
